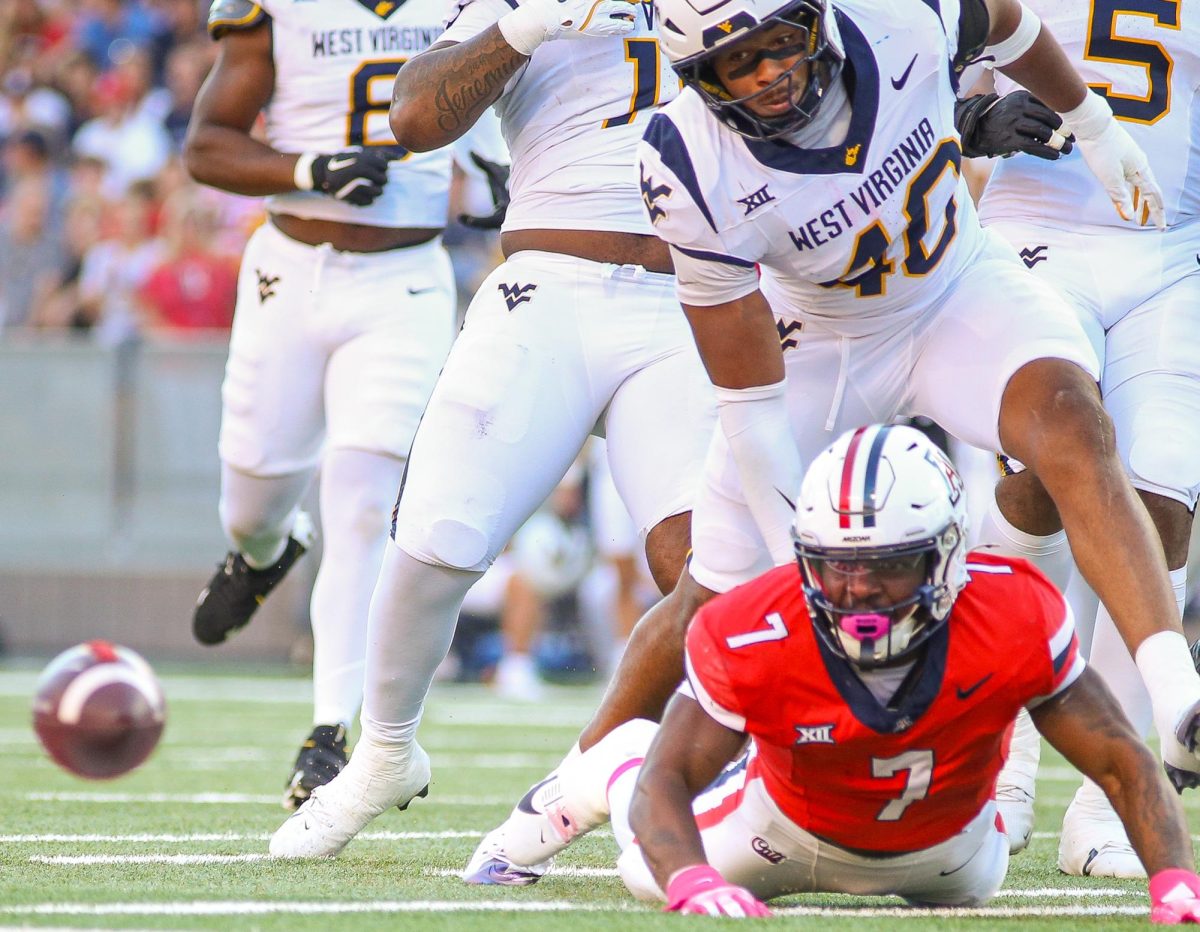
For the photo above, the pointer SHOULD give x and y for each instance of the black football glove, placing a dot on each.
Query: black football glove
(497, 179)
(992, 126)
(356, 175)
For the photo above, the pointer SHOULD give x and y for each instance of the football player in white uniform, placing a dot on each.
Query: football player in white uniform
(345, 313)
(1136, 291)
(579, 330)
(808, 181)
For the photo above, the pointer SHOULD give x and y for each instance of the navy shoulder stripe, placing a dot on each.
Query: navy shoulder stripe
(663, 136)
(714, 257)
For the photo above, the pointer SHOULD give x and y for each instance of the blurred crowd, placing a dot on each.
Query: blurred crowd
(101, 230)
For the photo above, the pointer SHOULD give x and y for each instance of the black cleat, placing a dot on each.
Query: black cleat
(322, 757)
(236, 591)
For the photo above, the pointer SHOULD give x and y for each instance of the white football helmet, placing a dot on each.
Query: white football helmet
(691, 32)
(882, 508)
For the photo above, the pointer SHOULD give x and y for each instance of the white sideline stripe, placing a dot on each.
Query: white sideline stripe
(87, 859)
(215, 836)
(264, 907)
(224, 799)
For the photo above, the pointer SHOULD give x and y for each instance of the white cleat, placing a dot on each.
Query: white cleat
(1094, 844)
(490, 865)
(370, 784)
(1017, 783)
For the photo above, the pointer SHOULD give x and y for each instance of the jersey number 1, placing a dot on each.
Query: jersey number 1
(645, 56)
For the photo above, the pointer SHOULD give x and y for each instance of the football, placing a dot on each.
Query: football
(98, 710)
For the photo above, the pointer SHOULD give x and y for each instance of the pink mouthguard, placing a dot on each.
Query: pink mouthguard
(866, 627)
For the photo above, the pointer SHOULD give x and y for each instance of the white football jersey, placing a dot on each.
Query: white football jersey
(857, 235)
(572, 117)
(335, 63)
(1143, 56)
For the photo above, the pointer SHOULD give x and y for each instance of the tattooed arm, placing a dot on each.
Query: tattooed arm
(440, 93)
(1086, 725)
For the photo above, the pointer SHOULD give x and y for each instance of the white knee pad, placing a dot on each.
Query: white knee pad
(1164, 456)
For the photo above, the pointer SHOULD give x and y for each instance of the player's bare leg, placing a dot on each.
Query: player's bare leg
(1051, 418)
(1093, 840)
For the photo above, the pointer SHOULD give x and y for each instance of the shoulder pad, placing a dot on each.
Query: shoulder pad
(225, 15)
(974, 23)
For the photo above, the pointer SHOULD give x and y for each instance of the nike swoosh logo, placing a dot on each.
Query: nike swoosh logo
(970, 691)
(335, 164)
(417, 291)
(791, 504)
(960, 866)
(899, 82)
(526, 803)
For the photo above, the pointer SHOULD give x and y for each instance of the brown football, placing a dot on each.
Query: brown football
(98, 710)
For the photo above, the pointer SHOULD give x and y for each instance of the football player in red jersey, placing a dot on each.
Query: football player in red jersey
(877, 686)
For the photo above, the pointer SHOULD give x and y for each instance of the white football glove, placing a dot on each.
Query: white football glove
(538, 21)
(1116, 160)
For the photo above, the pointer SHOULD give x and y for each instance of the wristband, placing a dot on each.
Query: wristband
(302, 173)
(1091, 118)
(1007, 51)
(687, 881)
(523, 29)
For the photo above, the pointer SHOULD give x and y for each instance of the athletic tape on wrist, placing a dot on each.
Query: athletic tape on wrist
(302, 173)
(1007, 51)
(523, 29)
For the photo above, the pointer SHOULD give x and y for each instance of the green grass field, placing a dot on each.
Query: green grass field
(181, 843)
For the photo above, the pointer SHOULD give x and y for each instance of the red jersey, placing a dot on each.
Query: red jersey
(849, 769)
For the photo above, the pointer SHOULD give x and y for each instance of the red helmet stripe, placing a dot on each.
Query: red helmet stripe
(847, 478)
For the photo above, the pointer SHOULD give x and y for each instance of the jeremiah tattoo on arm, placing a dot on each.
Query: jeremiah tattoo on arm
(440, 93)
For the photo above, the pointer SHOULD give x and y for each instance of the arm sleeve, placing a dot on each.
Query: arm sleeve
(469, 18)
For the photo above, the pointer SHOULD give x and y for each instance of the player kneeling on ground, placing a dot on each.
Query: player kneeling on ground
(877, 686)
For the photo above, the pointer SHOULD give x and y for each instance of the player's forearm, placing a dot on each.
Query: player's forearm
(232, 160)
(1043, 68)
(1150, 810)
(662, 819)
(440, 94)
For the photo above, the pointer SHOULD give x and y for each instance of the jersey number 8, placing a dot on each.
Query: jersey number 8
(364, 104)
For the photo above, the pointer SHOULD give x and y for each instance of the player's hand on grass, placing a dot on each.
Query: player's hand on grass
(1117, 161)
(1174, 897)
(992, 126)
(538, 21)
(700, 890)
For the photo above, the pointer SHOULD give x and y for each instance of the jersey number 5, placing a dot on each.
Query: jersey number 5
(919, 765)
(367, 105)
(1104, 45)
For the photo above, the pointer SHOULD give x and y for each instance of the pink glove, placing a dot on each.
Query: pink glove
(1174, 897)
(700, 890)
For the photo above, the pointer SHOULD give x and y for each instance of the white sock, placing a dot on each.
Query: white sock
(411, 623)
(1049, 554)
(620, 799)
(1084, 605)
(1170, 677)
(358, 490)
(257, 514)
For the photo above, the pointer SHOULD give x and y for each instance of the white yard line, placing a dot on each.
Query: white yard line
(92, 859)
(264, 907)
(214, 836)
(259, 907)
(223, 799)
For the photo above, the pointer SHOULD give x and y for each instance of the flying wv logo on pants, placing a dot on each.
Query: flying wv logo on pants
(517, 294)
